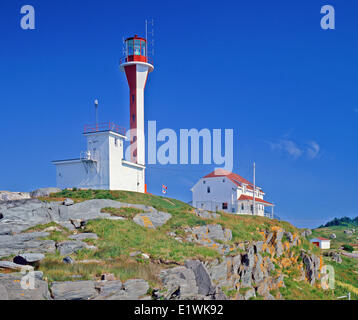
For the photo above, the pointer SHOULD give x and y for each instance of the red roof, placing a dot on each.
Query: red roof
(320, 238)
(244, 197)
(235, 178)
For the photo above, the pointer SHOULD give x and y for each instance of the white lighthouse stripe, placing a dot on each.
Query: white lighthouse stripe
(141, 78)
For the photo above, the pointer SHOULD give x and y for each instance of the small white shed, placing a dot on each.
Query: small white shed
(323, 243)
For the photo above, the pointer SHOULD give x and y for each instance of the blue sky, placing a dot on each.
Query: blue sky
(264, 68)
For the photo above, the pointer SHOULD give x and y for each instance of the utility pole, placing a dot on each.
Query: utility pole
(253, 198)
(96, 109)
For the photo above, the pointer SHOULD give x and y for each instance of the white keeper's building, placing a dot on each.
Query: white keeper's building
(102, 165)
(227, 191)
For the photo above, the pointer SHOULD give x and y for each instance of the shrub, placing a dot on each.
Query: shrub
(348, 248)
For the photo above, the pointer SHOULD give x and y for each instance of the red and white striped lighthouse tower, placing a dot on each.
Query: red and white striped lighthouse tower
(136, 65)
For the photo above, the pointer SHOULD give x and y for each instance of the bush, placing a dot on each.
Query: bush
(348, 248)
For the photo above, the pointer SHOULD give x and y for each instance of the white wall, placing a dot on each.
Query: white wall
(108, 171)
(325, 244)
(70, 174)
(221, 190)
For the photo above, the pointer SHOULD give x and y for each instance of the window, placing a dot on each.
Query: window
(223, 180)
(252, 208)
(137, 47)
(130, 47)
(208, 189)
(242, 206)
(224, 206)
(143, 47)
(204, 182)
(116, 142)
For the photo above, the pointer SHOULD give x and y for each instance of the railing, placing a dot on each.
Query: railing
(124, 60)
(104, 126)
(87, 156)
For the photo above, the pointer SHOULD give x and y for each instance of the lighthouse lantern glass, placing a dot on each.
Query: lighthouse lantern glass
(137, 47)
(143, 47)
(129, 47)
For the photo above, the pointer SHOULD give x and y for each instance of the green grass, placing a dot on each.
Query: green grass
(123, 268)
(347, 273)
(122, 212)
(124, 236)
(118, 238)
(244, 228)
(55, 235)
(341, 239)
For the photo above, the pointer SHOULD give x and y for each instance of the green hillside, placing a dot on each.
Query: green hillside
(118, 240)
(341, 239)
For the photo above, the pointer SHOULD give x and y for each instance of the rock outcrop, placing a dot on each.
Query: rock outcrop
(43, 192)
(133, 289)
(20, 215)
(152, 219)
(312, 266)
(10, 196)
(69, 247)
(10, 288)
(25, 242)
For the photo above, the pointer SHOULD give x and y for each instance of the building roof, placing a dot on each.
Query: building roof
(235, 178)
(244, 197)
(320, 238)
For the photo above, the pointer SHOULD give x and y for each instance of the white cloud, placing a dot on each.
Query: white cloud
(293, 149)
(313, 150)
(288, 146)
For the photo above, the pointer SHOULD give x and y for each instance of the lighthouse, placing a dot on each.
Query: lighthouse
(136, 66)
(103, 165)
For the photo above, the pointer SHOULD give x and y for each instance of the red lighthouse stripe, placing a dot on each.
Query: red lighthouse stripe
(131, 74)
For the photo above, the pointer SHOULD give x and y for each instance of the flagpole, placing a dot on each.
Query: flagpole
(253, 211)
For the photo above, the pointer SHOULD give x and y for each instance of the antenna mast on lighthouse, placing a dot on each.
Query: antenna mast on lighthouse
(151, 33)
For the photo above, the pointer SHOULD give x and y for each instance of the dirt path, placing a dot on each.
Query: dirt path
(350, 255)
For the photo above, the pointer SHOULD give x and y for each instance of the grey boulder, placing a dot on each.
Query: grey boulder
(73, 290)
(202, 278)
(10, 265)
(179, 282)
(11, 196)
(82, 236)
(10, 284)
(25, 242)
(28, 258)
(152, 219)
(69, 247)
(68, 202)
(43, 192)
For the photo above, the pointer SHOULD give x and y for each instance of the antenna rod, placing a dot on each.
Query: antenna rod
(146, 37)
(96, 109)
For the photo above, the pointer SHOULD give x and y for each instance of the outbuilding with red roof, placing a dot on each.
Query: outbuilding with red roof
(321, 242)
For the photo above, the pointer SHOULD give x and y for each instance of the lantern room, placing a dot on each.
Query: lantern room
(136, 49)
